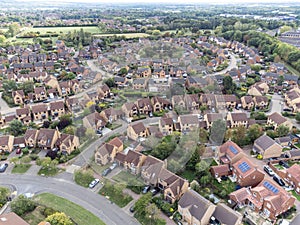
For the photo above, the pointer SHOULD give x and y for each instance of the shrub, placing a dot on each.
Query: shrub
(83, 177)
(48, 211)
(34, 157)
(22, 205)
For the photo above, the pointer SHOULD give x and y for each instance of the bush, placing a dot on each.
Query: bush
(22, 205)
(83, 177)
(34, 157)
(48, 211)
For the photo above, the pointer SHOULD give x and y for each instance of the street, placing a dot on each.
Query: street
(232, 65)
(93, 202)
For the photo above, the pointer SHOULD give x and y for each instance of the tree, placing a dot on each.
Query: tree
(297, 117)
(109, 82)
(280, 80)
(201, 166)
(250, 81)
(22, 205)
(2, 38)
(217, 131)
(239, 136)
(142, 203)
(4, 193)
(152, 211)
(59, 218)
(16, 128)
(254, 132)
(282, 130)
(229, 85)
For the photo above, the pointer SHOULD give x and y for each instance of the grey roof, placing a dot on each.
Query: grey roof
(139, 81)
(197, 204)
(264, 142)
(226, 215)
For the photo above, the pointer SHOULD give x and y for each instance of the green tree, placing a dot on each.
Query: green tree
(22, 205)
(297, 117)
(142, 203)
(152, 211)
(254, 132)
(201, 167)
(16, 128)
(280, 80)
(109, 82)
(27, 87)
(9, 86)
(229, 85)
(2, 38)
(4, 193)
(282, 130)
(59, 218)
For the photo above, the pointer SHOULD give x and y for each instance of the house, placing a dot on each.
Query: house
(105, 153)
(178, 102)
(39, 112)
(165, 125)
(130, 109)
(57, 109)
(292, 98)
(258, 89)
(275, 120)
(210, 118)
(208, 100)
(151, 168)
(137, 131)
(47, 138)
(267, 197)
(133, 161)
(67, 143)
(293, 177)
(6, 143)
(192, 102)
(261, 102)
(225, 101)
(226, 215)
(237, 119)
(284, 141)
(220, 170)
(72, 104)
(246, 173)
(172, 186)
(230, 152)
(30, 137)
(144, 106)
(18, 97)
(94, 121)
(111, 115)
(40, 93)
(143, 72)
(195, 209)
(247, 102)
(139, 84)
(267, 147)
(188, 122)
(12, 219)
(23, 114)
(160, 104)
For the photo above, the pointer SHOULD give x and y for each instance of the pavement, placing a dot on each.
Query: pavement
(296, 220)
(88, 199)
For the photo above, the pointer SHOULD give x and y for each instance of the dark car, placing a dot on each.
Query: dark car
(284, 164)
(146, 189)
(279, 181)
(132, 209)
(3, 167)
(106, 172)
(154, 191)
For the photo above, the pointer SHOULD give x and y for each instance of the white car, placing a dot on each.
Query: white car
(93, 183)
(269, 170)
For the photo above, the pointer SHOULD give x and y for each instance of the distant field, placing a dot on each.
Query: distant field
(44, 30)
(129, 35)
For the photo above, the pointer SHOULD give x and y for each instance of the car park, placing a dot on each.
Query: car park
(279, 180)
(93, 183)
(269, 170)
(3, 167)
(106, 172)
(146, 189)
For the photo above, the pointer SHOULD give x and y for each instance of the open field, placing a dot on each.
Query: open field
(128, 35)
(44, 30)
(80, 215)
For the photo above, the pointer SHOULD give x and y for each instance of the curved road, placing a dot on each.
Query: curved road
(109, 213)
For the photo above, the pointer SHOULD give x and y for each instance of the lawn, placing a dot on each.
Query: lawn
(132, 182)
(295, 195)
(129, 35)
(189, 175)
(44, 30)
(80, 215)
(115, 193)
(47, 171)
(21, 168)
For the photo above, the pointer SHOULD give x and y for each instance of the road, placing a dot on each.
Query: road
(232, 65)
(86, 155)
(109, 213)
(296, 220)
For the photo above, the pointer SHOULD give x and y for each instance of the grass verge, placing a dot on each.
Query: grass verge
(21, 168)
(80, 215)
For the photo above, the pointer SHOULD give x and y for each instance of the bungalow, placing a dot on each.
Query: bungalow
(267, 147)
(246, 173)
(188, 122)
(237, 119)
(6, 143)
(137, 131)
(275, 120)
(247, 102)
(195, 209)
(18, 97)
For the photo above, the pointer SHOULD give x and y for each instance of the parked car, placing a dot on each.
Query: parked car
(18, 151)
(146, 189)
(154, 191)
(279, 180)
(269, 170)
(132, 209)
(106, 172)
(284, 164)
(3, 167)
(93, 183)
(113, 166)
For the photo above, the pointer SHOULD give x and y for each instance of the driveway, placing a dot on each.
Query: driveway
(276, 104)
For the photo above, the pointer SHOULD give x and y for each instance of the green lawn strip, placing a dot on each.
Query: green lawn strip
(46, 171)
(189, 175)
(295, 195)
(21, 168)
(80, 215)
(132, 182)
(115, 193)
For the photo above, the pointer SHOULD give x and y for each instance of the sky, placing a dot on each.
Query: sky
(172, 1)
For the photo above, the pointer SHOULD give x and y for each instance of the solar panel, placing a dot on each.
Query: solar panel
(233, 149)
(271, 187)
(244, 167)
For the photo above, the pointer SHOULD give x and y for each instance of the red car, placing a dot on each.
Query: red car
(18, 151)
